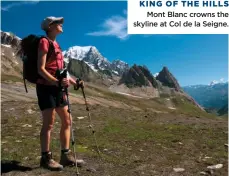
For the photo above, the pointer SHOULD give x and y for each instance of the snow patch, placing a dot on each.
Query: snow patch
(115, 72)
(66, 60)
(128, 94)
(156, 74)
(7, 33)
(91, 66)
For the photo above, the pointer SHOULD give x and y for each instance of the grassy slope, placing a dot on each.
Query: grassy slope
(143, 142)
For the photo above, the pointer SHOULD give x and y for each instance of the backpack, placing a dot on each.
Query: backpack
(29, 50)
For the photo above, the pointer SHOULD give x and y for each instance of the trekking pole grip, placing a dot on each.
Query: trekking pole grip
(78, 85)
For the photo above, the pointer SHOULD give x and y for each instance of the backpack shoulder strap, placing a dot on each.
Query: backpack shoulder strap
(50, 49)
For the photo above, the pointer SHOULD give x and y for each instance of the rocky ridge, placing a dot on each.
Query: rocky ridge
(167, 79)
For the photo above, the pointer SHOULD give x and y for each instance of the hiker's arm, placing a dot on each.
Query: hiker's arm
(71, 80)
(41, 68)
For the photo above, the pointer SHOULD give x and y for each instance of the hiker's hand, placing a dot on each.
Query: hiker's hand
(65, 82)
(79, 83)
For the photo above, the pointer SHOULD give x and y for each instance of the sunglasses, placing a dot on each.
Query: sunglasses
(56, 22)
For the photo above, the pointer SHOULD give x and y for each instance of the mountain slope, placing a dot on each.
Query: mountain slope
(80, 69)
(11, 64)
(223, 110)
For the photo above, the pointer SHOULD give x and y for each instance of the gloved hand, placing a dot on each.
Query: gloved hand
(79, 83)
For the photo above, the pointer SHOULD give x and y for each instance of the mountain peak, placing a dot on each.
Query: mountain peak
(165, 69)
(138, 76)
(118, 61)
(167, 79)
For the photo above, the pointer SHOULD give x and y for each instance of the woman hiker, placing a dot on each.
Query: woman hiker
(51, 99)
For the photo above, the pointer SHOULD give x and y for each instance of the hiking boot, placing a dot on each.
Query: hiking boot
(68, 159)
(48, 163)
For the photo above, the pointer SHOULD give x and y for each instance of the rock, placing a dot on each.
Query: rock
(179, 169)
(206, 158)
(210, 172)
(26, 158)
(214, 167)
(180, 143)
(171, 108)
(226, 145)
(26, 125)
(203, 173)
(91, 169)
(80, 117)
(30, 111)
(38, 157)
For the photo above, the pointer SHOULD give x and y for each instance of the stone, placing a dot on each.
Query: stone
(214, 167)
(179, 169)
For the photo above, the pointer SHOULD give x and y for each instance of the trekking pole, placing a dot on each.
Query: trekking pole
(91, 125)
(89, 116)
(90, 121)
(69, 112)
(72, 134)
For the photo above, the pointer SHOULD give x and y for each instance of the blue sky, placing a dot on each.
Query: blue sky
(192, 59)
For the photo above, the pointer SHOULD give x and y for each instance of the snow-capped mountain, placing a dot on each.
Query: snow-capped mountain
(10, 40)
(94, 59)
(221, 81)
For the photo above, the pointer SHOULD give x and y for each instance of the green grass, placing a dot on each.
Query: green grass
(187, 108)
(128, 137)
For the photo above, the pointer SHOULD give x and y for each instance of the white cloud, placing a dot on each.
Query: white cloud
(114, 26)
(9, 6)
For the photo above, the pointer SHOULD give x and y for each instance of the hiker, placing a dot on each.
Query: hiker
(51, 99)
